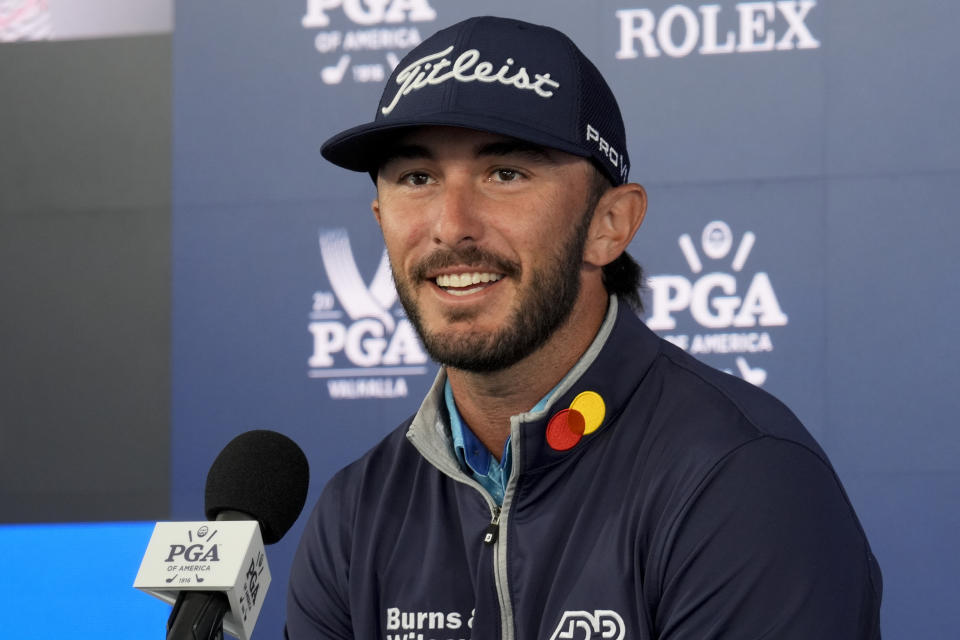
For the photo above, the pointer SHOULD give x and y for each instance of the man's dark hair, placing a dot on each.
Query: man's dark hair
(623, 276)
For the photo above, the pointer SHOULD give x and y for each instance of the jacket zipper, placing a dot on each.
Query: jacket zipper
(498, 517)
(493, 529)
(500, 574)
(491, 537)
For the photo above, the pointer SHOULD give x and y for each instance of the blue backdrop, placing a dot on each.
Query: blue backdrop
(803, 165)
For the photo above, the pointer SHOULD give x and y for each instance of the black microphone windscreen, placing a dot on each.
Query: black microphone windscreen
(263, 474)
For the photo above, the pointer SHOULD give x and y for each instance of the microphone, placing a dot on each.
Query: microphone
(261, 475)
(255, 490)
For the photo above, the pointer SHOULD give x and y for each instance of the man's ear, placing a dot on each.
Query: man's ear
(375, 207)
(617, 216)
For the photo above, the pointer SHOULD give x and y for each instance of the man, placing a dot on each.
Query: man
(569, 475)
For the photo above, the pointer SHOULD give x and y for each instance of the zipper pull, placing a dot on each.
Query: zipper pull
(493, 529)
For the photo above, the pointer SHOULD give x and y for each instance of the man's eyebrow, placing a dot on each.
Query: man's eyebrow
(510, 147)
(411, 151)
(407, 152)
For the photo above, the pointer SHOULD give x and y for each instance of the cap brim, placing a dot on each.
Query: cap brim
(364, 148)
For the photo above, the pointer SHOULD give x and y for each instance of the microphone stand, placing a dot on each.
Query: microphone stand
(198, 615)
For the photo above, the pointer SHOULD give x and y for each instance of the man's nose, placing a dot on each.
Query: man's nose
(457, 218)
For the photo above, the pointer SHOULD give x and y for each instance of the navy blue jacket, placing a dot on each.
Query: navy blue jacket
(700, 508)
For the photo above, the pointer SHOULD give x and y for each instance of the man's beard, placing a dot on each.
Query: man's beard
(542, 307)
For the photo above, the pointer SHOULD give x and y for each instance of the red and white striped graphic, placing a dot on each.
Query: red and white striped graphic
(24, 20)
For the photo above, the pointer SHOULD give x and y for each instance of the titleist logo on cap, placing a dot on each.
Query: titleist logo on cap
(430, 70)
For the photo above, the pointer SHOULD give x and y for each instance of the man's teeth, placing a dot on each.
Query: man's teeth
(459, 280)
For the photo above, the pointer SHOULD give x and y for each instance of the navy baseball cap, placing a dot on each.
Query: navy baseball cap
(502, 76)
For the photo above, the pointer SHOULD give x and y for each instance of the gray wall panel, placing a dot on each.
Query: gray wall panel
(84, 249)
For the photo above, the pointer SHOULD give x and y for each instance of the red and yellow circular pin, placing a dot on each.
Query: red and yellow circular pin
(583, 417)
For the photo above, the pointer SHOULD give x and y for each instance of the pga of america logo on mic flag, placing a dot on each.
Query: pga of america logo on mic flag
(225, 556)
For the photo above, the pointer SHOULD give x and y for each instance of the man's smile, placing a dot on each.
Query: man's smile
(461, 284)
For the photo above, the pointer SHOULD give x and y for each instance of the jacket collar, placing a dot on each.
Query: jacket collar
(612, 368)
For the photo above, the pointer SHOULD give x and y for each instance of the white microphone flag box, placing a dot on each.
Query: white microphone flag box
(223, 556)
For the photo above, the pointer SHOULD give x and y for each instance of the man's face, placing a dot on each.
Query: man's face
(485, 236)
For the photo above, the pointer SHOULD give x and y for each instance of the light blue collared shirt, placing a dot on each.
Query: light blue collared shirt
(474, 456)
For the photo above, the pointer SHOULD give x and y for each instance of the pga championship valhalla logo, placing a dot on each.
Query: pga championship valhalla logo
(377, 34)
(734, 312)
(363, 344)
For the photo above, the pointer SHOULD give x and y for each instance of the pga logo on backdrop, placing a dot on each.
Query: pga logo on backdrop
(369, 12)
(734, 315)
(363, 344)
(386, 28)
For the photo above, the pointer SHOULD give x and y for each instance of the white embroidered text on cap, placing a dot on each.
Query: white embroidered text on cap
(426, 71)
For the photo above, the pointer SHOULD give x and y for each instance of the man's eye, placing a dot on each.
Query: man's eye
(506, 175)
(415, 178)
